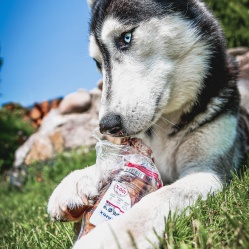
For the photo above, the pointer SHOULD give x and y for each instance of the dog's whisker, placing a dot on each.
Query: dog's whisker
(161, 128)
(149, 127)
(168, 121)
(153, 130)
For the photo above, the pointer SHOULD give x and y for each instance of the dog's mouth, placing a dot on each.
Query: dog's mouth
(123, 134)
(115, 132)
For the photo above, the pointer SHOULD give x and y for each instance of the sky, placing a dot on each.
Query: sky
(44, 46)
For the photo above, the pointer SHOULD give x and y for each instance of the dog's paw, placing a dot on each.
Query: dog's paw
(67, 206)
(70, 198)
(104, 237)
(114, 235)
(134, 229)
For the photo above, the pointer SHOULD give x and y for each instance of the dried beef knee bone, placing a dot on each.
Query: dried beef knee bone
(138, 145)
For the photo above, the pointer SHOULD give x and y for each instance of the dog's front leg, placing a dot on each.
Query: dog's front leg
(73, 193)
(149, 214)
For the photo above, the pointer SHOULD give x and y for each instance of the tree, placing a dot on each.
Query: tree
(14, 131)
(234, 17)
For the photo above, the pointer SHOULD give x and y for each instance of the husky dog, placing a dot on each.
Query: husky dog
(167, 79)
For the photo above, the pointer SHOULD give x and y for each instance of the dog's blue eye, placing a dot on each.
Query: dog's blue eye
(124, 41)
(127, 37)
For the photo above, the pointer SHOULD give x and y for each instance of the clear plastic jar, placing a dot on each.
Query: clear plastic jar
(132, 174)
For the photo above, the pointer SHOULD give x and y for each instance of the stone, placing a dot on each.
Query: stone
(237, 51)
(45, 107)
(76, 102)
(41, 150)
(243, 78)
(57, 141)
(243, 61)
(35, 114)
(100, 84)
(59, 132)
(55, 103)
(22, 152)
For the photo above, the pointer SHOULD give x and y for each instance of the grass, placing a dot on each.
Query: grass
(14, 130)
(24, 222)
(222, 221)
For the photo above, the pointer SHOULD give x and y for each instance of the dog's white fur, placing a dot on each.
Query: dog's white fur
(167, 65)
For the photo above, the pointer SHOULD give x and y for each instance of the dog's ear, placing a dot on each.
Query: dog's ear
(91, 3)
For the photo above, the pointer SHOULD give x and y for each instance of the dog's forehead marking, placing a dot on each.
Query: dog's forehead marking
(112, 27)
(94, 48)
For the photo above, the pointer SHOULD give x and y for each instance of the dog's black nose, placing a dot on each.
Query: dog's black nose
(111, 124)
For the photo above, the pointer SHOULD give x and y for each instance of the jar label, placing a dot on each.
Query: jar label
(115, 201)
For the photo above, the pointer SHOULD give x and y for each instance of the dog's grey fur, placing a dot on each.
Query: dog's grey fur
(173, 85)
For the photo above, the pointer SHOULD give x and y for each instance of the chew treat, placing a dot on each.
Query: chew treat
(132, 176)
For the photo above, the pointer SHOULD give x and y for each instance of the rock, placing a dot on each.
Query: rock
(60, 132)
(42, 149)
(75, 102)
(55, 103)
(38, 122)
(100, 84)
(35, 114)
(243, 86)
(57, 141)
(45, 107)
(23, 150)
(78, 130)
(243, 61)
(40, 110)
(243, 78)
(17, 177)
(237, 51)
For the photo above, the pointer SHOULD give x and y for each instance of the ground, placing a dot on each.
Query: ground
(220, 222)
